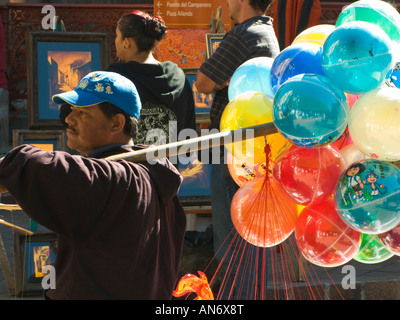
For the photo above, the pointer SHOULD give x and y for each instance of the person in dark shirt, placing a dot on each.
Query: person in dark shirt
(120, 225)
(165, 93)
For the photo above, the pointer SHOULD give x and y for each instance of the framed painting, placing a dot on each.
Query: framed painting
(212, 42)
(31, 254)
(202, 101)
(56, 62)
(47, 140)
(195, 190)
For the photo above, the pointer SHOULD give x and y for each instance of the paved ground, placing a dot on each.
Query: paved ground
(373, 282)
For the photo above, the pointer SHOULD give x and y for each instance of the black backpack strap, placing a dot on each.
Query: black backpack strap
(304, 16)
(282, 23)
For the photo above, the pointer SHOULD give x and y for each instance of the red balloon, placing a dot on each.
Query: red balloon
(308, 175)
(323, 238)
(262, 214)
(391, 240)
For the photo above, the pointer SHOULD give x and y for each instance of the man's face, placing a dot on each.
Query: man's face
(119, 44)
(88, 129)
(234, 9)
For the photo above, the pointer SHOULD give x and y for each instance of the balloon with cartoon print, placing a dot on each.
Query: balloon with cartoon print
(367, 196)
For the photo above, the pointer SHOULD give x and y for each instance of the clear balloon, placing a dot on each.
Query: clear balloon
(315, 34)
(351, 154)
(299, 58)
(372, 250)
(323, 238)
(391, 240)
(357, 57)
(245, 110)
(367, 196)
(261, 214)
(380, 13)
(308, 175)
(310, 111)
(252, 75)
(374, 124)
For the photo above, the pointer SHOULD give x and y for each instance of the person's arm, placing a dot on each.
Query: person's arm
(206, 85)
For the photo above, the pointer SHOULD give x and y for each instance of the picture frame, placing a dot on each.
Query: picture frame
(202, 101)
(212, 42)
(195, 190)
(47, 140)
(31, 253)
(56, 61)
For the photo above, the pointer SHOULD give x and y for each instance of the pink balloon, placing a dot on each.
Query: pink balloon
(391, 240)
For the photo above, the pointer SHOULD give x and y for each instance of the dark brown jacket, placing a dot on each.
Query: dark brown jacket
(120, 224)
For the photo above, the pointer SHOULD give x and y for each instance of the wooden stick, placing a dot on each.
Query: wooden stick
(194, 144)
(15, 227)
(9, 207)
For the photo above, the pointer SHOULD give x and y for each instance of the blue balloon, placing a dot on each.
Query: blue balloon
(310, 111)
(367, 196)
(357, 57)
(252, 75)
(394, 78)
(298, 58)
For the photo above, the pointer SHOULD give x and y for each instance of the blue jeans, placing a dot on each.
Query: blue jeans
(244, 266)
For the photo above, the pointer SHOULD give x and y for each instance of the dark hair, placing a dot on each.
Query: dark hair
(131, 125)
(260, 4)
(144, 29)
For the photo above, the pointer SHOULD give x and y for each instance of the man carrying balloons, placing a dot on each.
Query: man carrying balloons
(252, 37)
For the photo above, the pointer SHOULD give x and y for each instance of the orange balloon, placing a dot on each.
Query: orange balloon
(243, 171)
(261, 214)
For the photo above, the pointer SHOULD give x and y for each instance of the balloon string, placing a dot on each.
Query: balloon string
(267, 150)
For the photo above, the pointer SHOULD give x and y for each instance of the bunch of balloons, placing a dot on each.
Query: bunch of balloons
(337, 148)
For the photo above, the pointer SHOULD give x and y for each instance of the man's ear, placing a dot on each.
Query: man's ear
(126, 43)
(118, 123)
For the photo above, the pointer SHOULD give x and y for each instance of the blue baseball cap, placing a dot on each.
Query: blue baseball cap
(102, 86)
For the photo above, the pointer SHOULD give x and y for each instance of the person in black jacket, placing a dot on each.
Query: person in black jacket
(120, 224)
(164, 91)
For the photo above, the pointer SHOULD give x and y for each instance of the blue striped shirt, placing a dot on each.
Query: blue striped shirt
(252, 38)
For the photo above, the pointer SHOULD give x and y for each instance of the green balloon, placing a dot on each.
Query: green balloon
(377, 12)
(372, 250)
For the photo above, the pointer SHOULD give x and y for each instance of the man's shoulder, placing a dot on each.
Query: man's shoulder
(254, 21)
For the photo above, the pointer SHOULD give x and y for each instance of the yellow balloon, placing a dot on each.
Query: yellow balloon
(374, 124)
(315, 34)
(245, 110)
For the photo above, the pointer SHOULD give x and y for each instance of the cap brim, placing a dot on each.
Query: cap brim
(79, 99)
